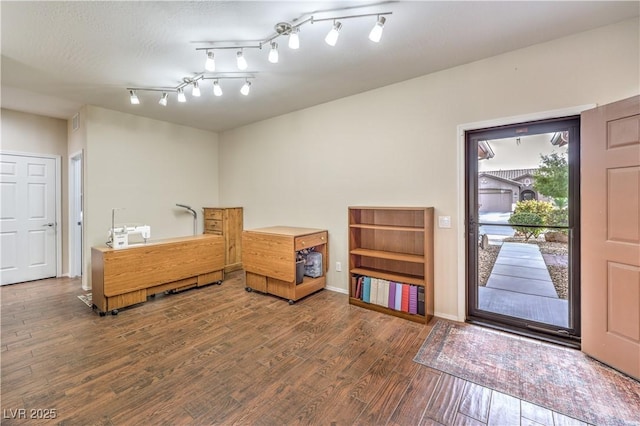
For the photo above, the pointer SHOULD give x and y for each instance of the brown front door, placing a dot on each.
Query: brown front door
(611, 234)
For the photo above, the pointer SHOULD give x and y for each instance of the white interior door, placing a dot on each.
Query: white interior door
(27, 218)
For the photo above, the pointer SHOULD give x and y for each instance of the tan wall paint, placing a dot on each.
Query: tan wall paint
(36, 134)
(398, 145)
(146, 166)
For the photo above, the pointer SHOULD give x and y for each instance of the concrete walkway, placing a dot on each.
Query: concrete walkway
(520, 286)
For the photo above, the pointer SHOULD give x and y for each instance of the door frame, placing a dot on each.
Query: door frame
(461, 182)
(75, 200)
(58, 197)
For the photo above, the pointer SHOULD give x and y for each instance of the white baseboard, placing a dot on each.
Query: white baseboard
(337, 289)
(447, 316)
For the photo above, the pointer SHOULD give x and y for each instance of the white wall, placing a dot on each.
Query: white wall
(145, 167)
(36, 134)
(398, 145)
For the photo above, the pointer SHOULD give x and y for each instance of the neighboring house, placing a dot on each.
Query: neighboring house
(499, 190)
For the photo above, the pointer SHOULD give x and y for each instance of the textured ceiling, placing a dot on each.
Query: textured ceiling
(57, 56)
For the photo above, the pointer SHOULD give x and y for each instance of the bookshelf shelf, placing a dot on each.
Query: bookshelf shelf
(388, 228)
(392, 247)
(380, 254)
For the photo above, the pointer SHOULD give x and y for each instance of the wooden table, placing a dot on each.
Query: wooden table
(124, 277)
(269, 259)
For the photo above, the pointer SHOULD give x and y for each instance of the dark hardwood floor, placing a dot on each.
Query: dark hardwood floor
(220, 355)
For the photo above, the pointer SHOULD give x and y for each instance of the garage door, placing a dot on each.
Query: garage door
(494, 200)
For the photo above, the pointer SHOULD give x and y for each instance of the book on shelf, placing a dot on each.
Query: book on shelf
(405, 298)
(398, 305)
(413, 299)
(420, 300)
(366, 289)
(383, 293)
(392, 295)
(374, 291)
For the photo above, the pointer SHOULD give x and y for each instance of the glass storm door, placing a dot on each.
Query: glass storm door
(522, 193)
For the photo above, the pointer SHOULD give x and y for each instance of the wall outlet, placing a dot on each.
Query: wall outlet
(338, 266)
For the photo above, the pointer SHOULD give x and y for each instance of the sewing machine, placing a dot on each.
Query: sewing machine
(119, 235)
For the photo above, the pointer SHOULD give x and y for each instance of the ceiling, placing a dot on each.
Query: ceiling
(58, 56)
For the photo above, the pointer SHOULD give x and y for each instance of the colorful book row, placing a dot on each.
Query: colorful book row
(390, 294)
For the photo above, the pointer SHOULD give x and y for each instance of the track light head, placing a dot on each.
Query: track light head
(217, 90)
(196, 89)
(134, 98)
(242, 62)
(163, 99)
(376, 32)
(332, 38)
(273, 53)
(294, 40)
(181, 96)
(210, 64)
(246, 88)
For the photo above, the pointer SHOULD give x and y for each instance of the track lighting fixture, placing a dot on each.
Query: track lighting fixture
(246, 87)
(294, 40)
(134, 98)
(217, 90)
(282, 29)
(273, 53)
(195, 82)
(242, 62)
(210, 64)
(376, 32)
(332, 37)
(181, 96)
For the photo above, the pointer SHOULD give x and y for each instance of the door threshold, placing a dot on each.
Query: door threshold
(566, 341)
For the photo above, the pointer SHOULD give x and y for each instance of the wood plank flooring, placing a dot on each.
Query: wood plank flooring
(221, 355)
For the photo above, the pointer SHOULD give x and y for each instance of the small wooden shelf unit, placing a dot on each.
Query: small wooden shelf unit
(269, 259)
(227, 222)
(393, 244)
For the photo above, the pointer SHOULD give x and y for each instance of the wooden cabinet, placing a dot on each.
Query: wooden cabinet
(393, 245)
(270, 260)
(227, 222)
(123, 277)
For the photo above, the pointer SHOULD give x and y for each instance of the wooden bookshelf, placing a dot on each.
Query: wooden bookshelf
(393, 244)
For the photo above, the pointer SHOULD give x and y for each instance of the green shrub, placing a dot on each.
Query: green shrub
(527, 218)
(541, 208)
(558, 217)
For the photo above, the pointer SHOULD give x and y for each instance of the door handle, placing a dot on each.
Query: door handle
(50, 225)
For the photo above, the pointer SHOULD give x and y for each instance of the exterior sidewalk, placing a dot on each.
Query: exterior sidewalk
(520, 286)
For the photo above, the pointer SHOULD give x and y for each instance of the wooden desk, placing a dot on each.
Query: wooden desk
(123, 277)
(269, 259)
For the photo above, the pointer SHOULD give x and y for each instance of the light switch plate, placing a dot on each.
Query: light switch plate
(444, 221)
